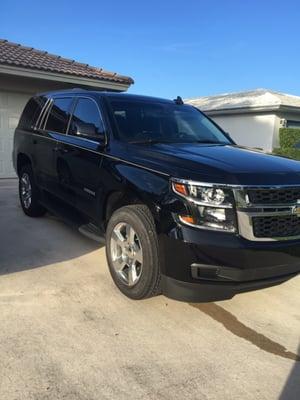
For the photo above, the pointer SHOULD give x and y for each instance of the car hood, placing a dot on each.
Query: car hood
(218, 163)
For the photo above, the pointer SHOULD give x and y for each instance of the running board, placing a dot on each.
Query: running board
(92, 232)
(72, 217)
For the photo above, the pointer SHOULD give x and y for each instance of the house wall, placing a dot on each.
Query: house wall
(252, 130)
(284, 119)
(14, 93)
(279, 123)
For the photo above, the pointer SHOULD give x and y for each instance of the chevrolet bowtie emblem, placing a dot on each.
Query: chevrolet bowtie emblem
(296, 210)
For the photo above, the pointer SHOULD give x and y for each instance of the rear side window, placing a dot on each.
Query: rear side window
(59, 115)
(31, 112)
(86, 117)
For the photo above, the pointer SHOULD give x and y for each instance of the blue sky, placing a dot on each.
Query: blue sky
(189, 48)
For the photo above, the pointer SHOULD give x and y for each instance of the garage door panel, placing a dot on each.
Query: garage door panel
(2, 144)
(3, 100)
(11, 107)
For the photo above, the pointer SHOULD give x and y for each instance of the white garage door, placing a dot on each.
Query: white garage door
(11, 106)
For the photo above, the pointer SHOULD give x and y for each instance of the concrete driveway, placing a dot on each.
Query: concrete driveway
(67, 333)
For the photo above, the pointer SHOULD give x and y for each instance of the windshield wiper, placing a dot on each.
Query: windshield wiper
(149, 141)
(155, 141)
(207, 141)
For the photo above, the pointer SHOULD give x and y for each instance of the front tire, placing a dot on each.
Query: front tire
(132, 252)
(29, 193)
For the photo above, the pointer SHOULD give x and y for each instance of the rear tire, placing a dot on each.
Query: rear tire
(29, 193)
(132, 252)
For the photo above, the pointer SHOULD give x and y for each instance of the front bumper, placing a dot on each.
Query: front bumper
(207, 292)
(200, 265)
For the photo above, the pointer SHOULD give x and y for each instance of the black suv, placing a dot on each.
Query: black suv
(184, 210)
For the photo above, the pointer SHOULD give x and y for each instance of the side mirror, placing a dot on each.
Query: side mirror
(87, 131)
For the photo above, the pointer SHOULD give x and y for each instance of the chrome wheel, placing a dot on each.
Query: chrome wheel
(26, 192)
(126, 253)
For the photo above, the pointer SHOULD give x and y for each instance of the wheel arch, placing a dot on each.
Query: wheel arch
(117, 199)
(22, 159)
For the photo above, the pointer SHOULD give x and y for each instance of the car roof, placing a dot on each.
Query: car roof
(100, 93)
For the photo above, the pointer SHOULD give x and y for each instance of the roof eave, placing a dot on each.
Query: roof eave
(238, 110)
(65, 78)
(250, 110)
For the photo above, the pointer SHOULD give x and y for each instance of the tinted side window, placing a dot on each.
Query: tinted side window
(86, 118)
(59, 115)
(31, 112)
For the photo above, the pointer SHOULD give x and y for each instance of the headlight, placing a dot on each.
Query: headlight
(212, 207)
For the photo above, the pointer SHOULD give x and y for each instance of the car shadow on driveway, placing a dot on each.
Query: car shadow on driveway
(291, 390)
(28, 243)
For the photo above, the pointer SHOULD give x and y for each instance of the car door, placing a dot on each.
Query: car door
(79, 157)
(54, 124)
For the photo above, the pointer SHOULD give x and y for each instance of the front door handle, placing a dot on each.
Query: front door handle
(61, 150)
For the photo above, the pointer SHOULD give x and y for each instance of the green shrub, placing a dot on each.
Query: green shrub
(288, 137)
(288, 152)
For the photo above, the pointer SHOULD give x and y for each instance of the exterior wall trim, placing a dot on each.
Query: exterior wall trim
(77, 80)
(251, 110)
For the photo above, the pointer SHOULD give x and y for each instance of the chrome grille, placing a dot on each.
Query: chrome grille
(274, 196)
(268, 213)
(276, 226)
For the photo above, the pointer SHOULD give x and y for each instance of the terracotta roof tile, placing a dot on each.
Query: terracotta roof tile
(28, 57)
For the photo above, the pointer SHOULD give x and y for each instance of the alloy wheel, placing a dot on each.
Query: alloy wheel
(126, 253)
(26, 191)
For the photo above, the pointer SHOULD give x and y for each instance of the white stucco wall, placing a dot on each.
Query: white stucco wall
(249, 129)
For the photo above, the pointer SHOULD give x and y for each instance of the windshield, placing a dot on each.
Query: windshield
(145, 122)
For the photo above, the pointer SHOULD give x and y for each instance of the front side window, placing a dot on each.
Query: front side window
(86, 120)
(142, 121)
(59, 115)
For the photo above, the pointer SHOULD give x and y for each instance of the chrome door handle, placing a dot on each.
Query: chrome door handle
(58, 149)
(63, 150)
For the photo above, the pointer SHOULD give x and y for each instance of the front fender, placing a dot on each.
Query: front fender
(149, 187)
